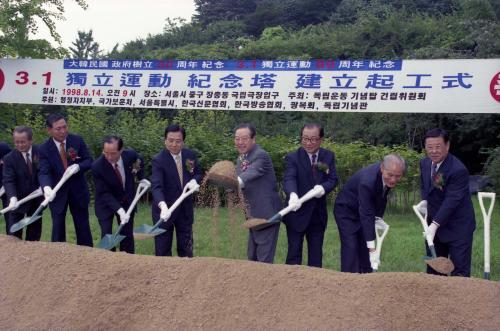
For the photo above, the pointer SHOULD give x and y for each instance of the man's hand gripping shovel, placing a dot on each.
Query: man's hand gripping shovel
(440, 264)
(33, 195)
(381, 229)
(111, 240)
(70, 171)
(146, 231)
(260, 223)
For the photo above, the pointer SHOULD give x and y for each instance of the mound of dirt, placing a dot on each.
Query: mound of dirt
(46, 286)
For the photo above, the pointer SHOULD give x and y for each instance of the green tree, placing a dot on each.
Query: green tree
(18, 19)
(85, 47)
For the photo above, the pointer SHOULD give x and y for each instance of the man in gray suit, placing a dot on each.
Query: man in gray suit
(257, 182)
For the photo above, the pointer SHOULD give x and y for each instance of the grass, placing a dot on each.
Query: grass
(221, 235)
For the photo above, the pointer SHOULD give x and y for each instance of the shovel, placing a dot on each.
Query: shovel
(260, 223)
(147, 231)
(2, 191)
(70, 171)
(35, 194)
(440, 264)
(487, 221)
(111, 240)
(380, 225)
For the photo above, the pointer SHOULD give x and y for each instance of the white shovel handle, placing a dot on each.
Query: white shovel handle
(141, 189)
(380, 240)
(66, 175)
(423, 220)
(312, 193)
(2, 191)
(185, 193)
(487, 222)
(35, 194)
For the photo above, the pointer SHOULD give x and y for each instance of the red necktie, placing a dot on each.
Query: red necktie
(118, 174)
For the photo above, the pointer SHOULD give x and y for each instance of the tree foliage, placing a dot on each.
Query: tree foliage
(85, 47)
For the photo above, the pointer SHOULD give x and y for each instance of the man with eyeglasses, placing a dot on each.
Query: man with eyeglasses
(359, 205)
(174, 168)
(308, 167)
(20, 179)
(257, 182)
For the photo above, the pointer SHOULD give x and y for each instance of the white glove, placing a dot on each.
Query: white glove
(320, 189)
(164, 211)
(422, 207)
(374, 260)
(380, 223)
(145, 182)
(2, 191)
(73, 169)
(431, 231)
(48, 193)
(294, 201)
(192, 185)
(123, 216)
(13, 203)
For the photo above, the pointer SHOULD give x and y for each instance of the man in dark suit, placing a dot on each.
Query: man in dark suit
(444, 184)
(308, 166)
(113, 173)
(61, 151)
(257, 182)
(4, 150)
(361, 200)
(174, 168)
(20, 179)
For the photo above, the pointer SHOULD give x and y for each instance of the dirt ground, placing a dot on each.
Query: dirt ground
(58, 286)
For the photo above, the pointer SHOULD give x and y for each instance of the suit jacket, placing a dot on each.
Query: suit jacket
(299, 178)
(109, 193)
(448, 199)
(166, 186)
(4, 150)
(51, 170)
(260, 187)
(360, 200)
(16, 177)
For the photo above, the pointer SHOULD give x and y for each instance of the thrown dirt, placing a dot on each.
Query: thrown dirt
(223, 173)
(47, 286)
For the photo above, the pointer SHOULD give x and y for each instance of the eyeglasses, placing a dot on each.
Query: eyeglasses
(312, 140)
(242, 139)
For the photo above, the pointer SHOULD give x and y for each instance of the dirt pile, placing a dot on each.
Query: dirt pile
(46, 286)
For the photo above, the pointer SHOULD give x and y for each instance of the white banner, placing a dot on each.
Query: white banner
(413, 86)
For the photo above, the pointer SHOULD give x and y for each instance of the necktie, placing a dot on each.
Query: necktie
(433, 170)
(118, 174)
(313, 164)
(179, 167)
(385, 191)
(62, 153)
(28, 162)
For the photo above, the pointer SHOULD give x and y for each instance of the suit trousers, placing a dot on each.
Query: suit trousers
(314, 234)
(354, 256)
(183, 235)
(6, 216)
(80, 221)
(262, 244)
(127, 244)
(34, 230)
(459, 251)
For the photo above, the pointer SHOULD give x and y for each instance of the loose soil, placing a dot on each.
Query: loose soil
(60, 286)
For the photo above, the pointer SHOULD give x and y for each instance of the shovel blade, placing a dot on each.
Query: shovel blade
(146, 231)
(24, 223)
(440, 264)
(109, 241)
